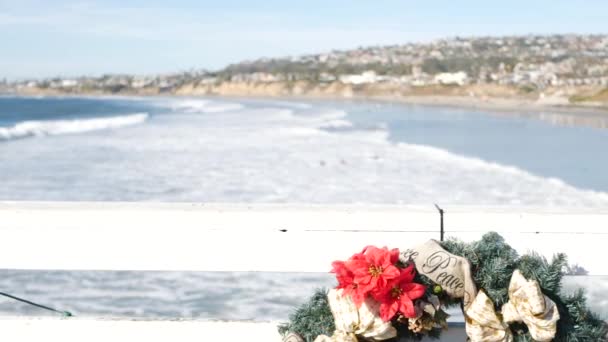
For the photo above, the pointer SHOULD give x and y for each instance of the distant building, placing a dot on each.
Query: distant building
(325, 77)
(69, 83)
(365, 77)
(141, 82)
(208, 80)
(452, 78)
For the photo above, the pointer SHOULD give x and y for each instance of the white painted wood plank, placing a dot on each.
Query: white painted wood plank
(104, 330)
(214, 217)
(226, 237)
(300, 217)
(100, 330)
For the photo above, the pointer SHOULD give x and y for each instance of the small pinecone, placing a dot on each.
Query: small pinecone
(420, 324)
(415, 325)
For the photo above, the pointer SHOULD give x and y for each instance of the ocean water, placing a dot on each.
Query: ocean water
(237, 150)
(257, 296)
(204, 295)
(217, 150)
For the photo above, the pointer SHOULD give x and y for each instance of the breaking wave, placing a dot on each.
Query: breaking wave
(204, 106)
(267, 154)
(33, 128)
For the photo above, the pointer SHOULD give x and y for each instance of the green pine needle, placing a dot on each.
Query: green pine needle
(311, 319)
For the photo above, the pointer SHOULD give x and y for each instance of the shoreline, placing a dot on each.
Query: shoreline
(563, 115)
(494, 104)
(507, 105)
(458, 101)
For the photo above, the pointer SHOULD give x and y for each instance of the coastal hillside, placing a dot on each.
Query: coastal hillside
(551, 70)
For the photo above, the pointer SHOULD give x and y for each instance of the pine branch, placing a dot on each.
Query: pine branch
(493, 262)
(311, 319)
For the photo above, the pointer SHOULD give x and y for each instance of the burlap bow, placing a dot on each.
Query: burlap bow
(482, 323)
(529, 305)
(350, 321)
(526, 304)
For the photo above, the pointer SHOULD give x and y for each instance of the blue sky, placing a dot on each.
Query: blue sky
(42, 38)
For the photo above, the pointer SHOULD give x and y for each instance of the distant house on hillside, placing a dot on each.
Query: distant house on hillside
(326, 77)
(451, 78)
(141, 82)
(69, 83)
(365, 77)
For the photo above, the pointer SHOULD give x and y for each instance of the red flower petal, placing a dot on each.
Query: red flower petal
(358, 256)
(391, 272)
(357, 266)
(413, 290)
(408, 274)
(406, 307)
(373, 256)
(388, 310)
(358, 298)
(344, 276)
(394, 253)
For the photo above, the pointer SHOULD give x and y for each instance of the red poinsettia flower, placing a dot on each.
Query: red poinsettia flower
(394, 254)
(346, 280)
(344, 276)
(374, 269)
(400, 297)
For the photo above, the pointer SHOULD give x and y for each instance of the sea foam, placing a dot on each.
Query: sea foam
(311, 164)
(269, 153)
(26, 129)
(203, 106)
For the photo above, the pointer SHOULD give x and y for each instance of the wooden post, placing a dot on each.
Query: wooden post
(441, 232)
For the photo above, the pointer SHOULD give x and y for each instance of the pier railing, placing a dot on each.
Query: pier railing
(263, 238)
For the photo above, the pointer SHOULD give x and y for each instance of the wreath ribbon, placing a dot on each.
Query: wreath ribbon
(352, 322)
(451, 272)
(526, 304)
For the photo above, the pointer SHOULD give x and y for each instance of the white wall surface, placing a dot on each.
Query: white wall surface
(291, 238)
(105, 330)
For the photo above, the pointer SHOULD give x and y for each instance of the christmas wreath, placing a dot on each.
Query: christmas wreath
(388, 295)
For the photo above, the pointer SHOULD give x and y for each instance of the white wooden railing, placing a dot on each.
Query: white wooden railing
(228, 237)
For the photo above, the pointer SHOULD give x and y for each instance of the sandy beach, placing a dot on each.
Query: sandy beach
(494, 98)
(554, 109)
